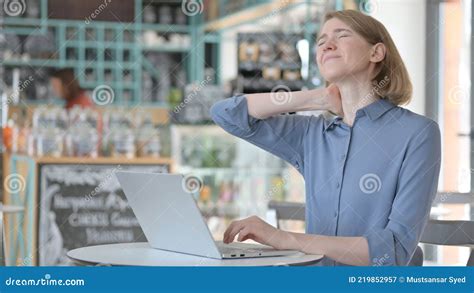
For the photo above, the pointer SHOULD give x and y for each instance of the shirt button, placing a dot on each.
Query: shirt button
(335, 214)
(338, 185)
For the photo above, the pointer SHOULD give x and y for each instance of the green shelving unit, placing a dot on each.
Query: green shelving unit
(127, 53)
(96, 54)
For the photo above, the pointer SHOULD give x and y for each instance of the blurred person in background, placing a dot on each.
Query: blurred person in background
(66, 86)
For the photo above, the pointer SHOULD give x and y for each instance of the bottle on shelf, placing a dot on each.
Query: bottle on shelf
(82, 139)
(148, 138)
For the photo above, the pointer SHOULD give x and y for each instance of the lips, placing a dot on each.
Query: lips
(326, 58)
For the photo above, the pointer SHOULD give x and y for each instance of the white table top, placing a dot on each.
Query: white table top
(141, 254)
(10, 209)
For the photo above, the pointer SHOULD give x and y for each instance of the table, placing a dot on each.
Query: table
(141, 254)
(5, 209)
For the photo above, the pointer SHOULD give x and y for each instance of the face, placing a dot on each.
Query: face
(57, 87)
(342, 53)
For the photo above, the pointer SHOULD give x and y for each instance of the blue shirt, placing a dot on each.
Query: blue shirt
(376, 179)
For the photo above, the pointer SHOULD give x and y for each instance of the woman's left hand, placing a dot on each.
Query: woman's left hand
(256, 229)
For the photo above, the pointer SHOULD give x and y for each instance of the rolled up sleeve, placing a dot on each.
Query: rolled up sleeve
(281, 135)
(416, 189)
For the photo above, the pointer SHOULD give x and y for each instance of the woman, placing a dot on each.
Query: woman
(66, 86)
(370, 174)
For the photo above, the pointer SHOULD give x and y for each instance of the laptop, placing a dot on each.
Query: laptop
(171, 220)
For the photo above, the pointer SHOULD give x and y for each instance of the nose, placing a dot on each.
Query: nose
(328, 45)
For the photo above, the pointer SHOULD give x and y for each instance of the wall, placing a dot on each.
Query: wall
(406, 21)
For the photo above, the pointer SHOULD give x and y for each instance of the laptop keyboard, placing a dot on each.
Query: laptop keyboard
(229, 248)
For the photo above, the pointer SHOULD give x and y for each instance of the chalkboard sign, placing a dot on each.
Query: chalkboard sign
(83, 205)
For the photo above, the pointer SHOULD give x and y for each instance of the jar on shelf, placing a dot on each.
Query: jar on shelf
(49, 142)
(148, 147)
(82, 138)
(82, 143)
(123, 144)
(148, 139)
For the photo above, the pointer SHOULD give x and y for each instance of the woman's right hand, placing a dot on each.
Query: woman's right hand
(264, 105)
(334, 101)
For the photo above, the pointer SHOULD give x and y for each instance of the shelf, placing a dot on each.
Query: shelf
(166, 28)
(91, 85)
(38, 62)
(70, 63)
(97, 160)
(104, 46)
(167, 48)
(93, 44)
(57, 102)
(173, 28)
(254, 66)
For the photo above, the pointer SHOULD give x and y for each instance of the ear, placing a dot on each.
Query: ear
(378, 52)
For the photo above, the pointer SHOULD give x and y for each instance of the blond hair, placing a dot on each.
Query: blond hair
(399, 89)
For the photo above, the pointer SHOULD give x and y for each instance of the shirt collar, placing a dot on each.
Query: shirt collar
(333, 122)
(374, 111)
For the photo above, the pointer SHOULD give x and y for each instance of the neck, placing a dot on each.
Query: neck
(354, 96)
